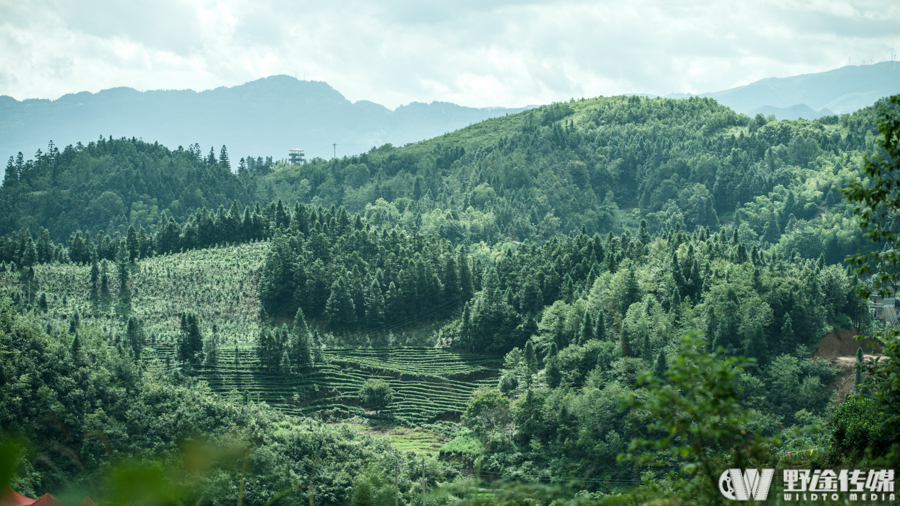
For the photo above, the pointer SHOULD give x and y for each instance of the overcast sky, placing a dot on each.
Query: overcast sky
(471, 52)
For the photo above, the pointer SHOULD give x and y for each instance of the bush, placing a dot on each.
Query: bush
(376, 394)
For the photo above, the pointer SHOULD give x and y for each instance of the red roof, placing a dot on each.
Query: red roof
(87, 501)
(46, 500)
(10, 497)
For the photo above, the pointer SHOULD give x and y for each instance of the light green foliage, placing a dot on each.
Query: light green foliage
(696, 410)
(376, 394)
(487, 410)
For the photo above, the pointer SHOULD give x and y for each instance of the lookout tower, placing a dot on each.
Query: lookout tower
(296, 157)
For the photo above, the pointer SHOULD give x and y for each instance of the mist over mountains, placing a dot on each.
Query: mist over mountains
(265, 117)
(268, 116)
(810, 96)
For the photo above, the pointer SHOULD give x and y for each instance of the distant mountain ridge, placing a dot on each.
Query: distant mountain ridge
(265, 117)
(810, 96)
(268, 116)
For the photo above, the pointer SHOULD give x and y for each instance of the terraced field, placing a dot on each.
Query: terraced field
(429, 383)
(219, 285)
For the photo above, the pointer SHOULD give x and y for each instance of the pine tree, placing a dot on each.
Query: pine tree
(74, 322)
(858, 373)
(552, 373)
(631, 293)
(552, 352)
(661, 365)
(135, 336)
(95, 279)
(301, 343)
(646, 352)
(223, 159)
(587, 330)
(211, 347)
(466, 281)
(340, 312)
(788, 339)
(104, 283)
(600, 326)
(190, 340)
(530, 356)
(374, 306)
(131, 244)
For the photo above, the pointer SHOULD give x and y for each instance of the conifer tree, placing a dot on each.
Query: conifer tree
(466, 281)
(301, 343)
(95, 279)
(135, 336)
(374, 306)
(587, 329)
(211, 347)
(552, 373)
(646, 352)
(600, 326)
(857, 375)
(131, 244)
(340, 312)
(223, 159)
(659, 371)
(74, 322)
(788, 339)
(552, 351)
(530, 356)
(190, 340)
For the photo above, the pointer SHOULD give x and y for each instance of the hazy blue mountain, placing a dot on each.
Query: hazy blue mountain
(793, 112)
(842, 90)
(265, 117)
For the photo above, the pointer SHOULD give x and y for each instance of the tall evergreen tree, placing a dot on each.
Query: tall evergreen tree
(659, 371)
(301, 343)
(211, 347)
(340, 312)
(600, 326)
(135, 336)
(190, 340)
(223, 159)
(587, 329)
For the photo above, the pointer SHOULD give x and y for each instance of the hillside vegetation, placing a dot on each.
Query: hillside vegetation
(527, 282)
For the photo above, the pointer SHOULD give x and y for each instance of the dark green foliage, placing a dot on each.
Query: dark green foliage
(695, 407)
(125, 175)
(101, 397)
(301, 344)
(135, 336)
(859, 428)
(190, 340)
(211, 348)
(661, 367)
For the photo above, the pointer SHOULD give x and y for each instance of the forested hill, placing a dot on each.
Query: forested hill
(602, 164)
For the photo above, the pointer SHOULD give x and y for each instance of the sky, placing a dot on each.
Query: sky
(476, 53)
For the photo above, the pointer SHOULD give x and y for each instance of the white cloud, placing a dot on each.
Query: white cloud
(470, 52)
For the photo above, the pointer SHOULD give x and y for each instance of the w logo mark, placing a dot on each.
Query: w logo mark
(751, 483)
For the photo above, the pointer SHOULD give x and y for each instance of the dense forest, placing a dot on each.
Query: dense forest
(519, 289)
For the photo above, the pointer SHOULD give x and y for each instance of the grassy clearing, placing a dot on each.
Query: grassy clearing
(419, 440)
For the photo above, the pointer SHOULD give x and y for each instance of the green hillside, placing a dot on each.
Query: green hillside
(220, 285)
(546, 290)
